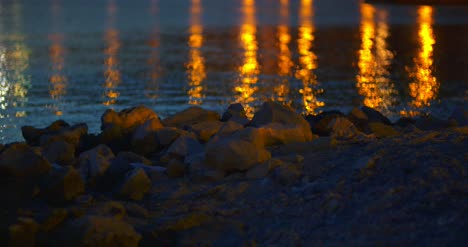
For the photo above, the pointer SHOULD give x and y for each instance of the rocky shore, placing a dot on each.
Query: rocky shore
(200, 178)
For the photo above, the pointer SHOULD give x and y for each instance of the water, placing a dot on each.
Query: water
(74, 59)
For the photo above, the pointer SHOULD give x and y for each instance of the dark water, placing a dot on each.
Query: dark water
(74, 59)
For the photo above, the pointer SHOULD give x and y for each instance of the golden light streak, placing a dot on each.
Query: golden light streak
(111, 73)
(425, 86)
(285, 63)
(307, 59)
(374, 59)
(196, 65)
(250, 68)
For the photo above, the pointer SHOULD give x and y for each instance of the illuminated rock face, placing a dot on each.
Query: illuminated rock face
(20, 160)
(128, 119)
(190, 116)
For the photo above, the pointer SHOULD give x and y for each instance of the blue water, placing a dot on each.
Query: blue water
(74, 59)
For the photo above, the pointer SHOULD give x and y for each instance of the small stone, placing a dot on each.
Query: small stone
(135, 185)
(94, 163)
(190, 116)
(176, 168)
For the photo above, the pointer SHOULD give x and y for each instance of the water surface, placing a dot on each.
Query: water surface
(74, 59)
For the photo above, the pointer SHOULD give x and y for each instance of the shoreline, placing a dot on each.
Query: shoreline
(199, 177)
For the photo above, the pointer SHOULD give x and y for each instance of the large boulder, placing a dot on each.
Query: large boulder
(32, 135)
(235, 113)
(319, 123)
(282, 125)
(205, 130)
(60, 152)
(190, 116)
(99, 231)
(135, 185)
(184, 146)
(62, 184)
(128, 119)
(94, 163)
(20, 160)
(238, 152)
(344, 131)
(143, 140)
(72, 135)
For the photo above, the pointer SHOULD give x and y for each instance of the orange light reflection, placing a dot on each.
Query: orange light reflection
(196, 65)
(307, 59)
(374, 59)
(153, 61)
(285, 62)
(111, 73)
(250, 69)
(425, 86)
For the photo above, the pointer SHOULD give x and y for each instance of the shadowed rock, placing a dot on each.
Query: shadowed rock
(135, 185)
(144, 136)
(99, 231)
(382, 130)
(184, 146)
(281, 124)
(237, 152)
(235, 113)
(20, 160)
(319, 123)
(23, 233)
(33, 135)
(344, 131)
(72, 135)
(60, 152)
(205, 130)
(62, 184)
(460, 114)
(190, 116)
(93, 163)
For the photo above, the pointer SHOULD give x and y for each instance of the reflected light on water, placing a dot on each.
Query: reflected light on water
(196, 65)
(425, 86)
(111, 73)
(153, 62)
(374, 59)
(250, 68)
(285, 63)
(307, 59)
(57, 80)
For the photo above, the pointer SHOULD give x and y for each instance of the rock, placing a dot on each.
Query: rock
(237, 152)
(62, 184)
(135, 185)
(287, 174)
(130, 157)
(20, 160)
(235, 113)
(190, 116)
(176, 168)
(359, 119)
(206, 175)
(166, 136)
(32, 135)
(282, 124)
(154, 173)
(382, 130)
(184, 146)
(61, 152)
(460, 115)
(129, 119)
(375, 116)
(433, 123)
(233, 110)
(94, 163)
(205, 130)
(345, 131)
(228, 128)
(319, 123)
(144, 139)
(72, 135)
(136, 210)
(99, 231)
(23, 233)
(405, 121)
(52, 219)
(258, 171)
